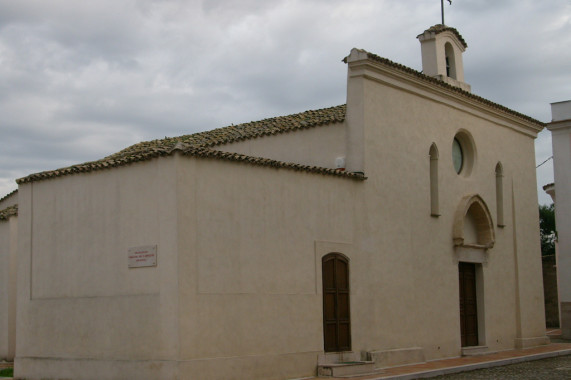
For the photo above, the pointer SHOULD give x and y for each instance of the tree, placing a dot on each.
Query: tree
(547, 231)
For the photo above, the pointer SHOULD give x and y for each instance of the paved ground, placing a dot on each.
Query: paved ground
(550, 362)
(558, 368)
(461, 365)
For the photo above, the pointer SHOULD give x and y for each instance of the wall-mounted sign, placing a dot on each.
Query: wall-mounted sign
(145, 256)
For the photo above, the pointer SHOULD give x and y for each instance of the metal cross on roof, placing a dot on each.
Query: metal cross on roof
(442, 8)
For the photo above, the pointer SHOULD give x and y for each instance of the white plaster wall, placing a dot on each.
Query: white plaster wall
(77, 298)
(561, 140)
(317, 146)
(9, 200)
(4, 285)
(415, 251)
(250, 284)
(8, 263)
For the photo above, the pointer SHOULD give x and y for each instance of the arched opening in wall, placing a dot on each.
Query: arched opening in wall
(473, 225)
(434, 204)
(336, 313)
(477, 230)
(500, 194)
(473, 235)
(450, 60)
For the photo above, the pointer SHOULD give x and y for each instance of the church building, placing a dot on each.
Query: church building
(397, 228)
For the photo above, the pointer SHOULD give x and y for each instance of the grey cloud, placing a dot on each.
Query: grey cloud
(80, 80)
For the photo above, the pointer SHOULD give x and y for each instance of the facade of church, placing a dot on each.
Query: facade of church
(399, 227)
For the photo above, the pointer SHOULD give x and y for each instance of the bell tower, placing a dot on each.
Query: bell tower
(442, 48)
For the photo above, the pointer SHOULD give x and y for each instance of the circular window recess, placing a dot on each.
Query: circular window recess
(463, 153)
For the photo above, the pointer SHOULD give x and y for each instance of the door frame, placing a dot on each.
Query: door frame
(336, 293)
(480, 304)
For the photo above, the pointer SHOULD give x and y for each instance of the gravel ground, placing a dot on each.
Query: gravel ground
(558, 368)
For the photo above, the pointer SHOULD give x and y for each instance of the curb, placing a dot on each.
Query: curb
(472, 367)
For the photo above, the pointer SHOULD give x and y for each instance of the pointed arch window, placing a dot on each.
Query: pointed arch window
(434, 206)
(500, 194)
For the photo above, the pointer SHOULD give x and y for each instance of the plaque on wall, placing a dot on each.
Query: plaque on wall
(144, 256)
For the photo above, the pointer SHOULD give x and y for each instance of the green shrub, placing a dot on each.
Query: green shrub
(7, 372)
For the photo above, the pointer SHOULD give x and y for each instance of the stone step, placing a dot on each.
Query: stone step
(347, 369)
(397, 357)
(476, 351)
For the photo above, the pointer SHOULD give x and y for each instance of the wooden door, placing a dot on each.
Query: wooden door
(468, 309)
(336, 317)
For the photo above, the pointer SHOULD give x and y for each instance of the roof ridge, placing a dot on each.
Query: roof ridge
(262, 161)
(244, 131)
(200, 152)
(147, 150)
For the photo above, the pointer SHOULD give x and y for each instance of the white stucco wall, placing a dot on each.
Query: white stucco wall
(317, 146)
(561, 139)
(8, 200)
(78, 302)
(398, 170)
(8, 264)
(251, 303)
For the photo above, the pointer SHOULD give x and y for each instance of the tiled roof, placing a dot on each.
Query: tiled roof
(439, 28)
(8, 195)
(458, 90)
(233, 133)
(8, 212)
(200, 144)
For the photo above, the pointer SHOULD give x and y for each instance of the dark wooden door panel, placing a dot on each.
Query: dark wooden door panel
(468, 304)
(336, 315)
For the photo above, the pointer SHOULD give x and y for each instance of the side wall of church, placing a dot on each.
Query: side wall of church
(8, 254)
(251, 243)
(82, 311)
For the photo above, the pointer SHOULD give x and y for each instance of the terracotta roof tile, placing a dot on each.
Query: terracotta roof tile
(8, 212)
(259, 161)
(439, 28)
(200, 145)
(254, 129)
(458, 90)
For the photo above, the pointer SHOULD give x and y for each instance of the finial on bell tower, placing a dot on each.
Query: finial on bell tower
(442, 48)
(442, 9)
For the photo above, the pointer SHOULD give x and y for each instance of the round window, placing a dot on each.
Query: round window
(457, 156)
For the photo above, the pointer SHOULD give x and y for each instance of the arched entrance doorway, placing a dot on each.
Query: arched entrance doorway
(336, 315)
(473, 236)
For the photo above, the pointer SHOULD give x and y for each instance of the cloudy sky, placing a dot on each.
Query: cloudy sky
(83, 79)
